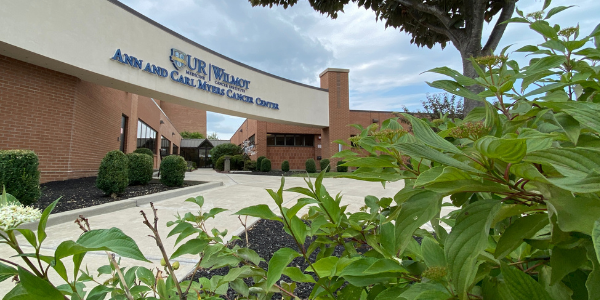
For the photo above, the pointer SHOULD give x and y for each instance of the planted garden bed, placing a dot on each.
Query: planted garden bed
(82, 193)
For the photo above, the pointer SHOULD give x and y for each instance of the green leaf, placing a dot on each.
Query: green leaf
(433, 254)
(193, 246)
(556, 10)
(281, 258)
(467, 239)
(520, 229)
(559, 290)
(198, 200)
(568, 161)
(260, 211)
(423, 132)
(454, 88)
(521, 285)
(99, 292)
(459, 77)
(44, 220)
(596, 238)
(249, 255)
(422, 151)
(373, 162)
(508, 150)
(470, 185)
(295, 274)
(491, 115)
(586, 117)
(113, 239)
(418, 289)
(593, 281)
(325, 266)
(441, 174)
(588, 184)
(544, 29)
(528, 171)
(574, 213)
(7, 271)
(145, 275)
(416, 211)
(37, 288)
(29, 236)
(565, 261)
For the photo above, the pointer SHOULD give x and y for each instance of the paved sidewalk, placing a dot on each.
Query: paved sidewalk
(238, 191)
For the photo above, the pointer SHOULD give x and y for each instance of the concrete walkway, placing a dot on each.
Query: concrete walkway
(238, 191)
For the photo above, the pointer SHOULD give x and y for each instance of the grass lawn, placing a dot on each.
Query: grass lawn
(315, 175)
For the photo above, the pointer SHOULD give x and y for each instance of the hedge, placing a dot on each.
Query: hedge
(220, 165)
(324, 164)
(20, 175)
(144, 151)
(237, 162)
(285, 166)
(265, 165)
(113, 174)
(172, 170)
(258, 161)
(341, 168)
(224, 149)
(140, 168)
(311, 166)
(250, 165)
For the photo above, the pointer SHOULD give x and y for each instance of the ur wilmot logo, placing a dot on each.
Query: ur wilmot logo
(178, 58)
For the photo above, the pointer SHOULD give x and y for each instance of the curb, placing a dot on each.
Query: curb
(70, 216)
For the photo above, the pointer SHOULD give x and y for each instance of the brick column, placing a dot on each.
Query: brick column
(336, 81)
(260, 139)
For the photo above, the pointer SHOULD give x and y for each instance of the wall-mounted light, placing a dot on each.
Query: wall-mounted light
(162, 122)
(241, 130)
(172, 133)
(375, 120)
(319, 137)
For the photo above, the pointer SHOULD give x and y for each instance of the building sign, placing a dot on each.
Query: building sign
(195, 73)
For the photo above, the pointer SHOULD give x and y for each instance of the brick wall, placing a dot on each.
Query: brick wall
(185, 118)
(336, 81)
(297, 156)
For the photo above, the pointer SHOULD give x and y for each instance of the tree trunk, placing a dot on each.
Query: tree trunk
(469, 71)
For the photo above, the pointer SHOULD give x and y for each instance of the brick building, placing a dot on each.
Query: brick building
(296, 144)
(71, 123)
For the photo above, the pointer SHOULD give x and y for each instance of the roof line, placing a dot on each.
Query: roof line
(173, 33)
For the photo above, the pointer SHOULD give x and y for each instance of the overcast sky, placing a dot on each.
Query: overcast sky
(299, 43)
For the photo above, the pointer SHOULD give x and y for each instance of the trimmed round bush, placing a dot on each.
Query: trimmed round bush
(311, 166)
(140, 168)
(113, 174)
(324, 163)
(144, 151)
(258, 161)
(285, 166)
(341, 168)
(172, 170)
(220, 165)
(224, 149)
(250, 165)
(19, 175)
(237, 162)
(265, 165)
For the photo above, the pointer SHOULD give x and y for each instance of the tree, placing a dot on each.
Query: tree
(441, 104)
(432, 22)
(213, 136)
(191, 135)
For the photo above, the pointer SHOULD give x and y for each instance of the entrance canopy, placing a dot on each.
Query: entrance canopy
(107, 43)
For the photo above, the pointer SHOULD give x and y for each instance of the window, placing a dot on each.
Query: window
(290, 140)
(165, 146)
(123, 137)
(175, 149)
(146, 136)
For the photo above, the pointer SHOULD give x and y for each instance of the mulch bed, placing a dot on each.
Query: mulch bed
(82, 192)
(266, 237)
(274, 173)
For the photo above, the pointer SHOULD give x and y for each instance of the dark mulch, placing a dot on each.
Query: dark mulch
(82, 192)
(266, 237)
(275, 173)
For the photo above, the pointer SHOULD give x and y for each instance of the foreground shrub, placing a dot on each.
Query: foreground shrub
(324, 164)
(224, 149)
(265, 165)
(341, 168)
(285, 166)
(250, 165)
(113, 174)
(145, 151)
(172, 170)
(311, 166)
(140, 168)
(258, 161)
(19, 175)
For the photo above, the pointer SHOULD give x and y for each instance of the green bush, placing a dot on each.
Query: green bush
(285, 166)
(341, 168)
(324, 164)
(19, 174)
(237, 162)
(220, 165)
(250, 165)
(144, 151)
(172, 170)
(191, 135)
(258, 161)
(113, 175)
(140, 168)
(311, 166)
(224, 149)
(265, 165)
